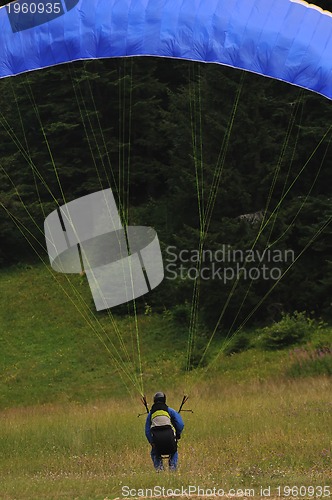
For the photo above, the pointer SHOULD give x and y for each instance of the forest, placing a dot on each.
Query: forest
(226, 166)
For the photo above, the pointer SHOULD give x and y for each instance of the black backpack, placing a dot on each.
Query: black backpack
(163, 436)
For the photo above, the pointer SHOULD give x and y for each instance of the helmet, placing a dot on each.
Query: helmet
(159, 397)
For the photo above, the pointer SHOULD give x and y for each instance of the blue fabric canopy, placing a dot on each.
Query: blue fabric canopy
(289, 40)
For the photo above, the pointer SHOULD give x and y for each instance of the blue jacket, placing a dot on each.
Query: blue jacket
(176, 420)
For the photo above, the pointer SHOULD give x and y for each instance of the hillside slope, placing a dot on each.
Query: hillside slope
(55, 348)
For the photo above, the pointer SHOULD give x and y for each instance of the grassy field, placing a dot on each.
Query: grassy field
(69, 428)
(246, 437)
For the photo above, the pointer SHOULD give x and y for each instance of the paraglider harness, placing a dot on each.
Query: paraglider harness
(164, 437)
(163, 432)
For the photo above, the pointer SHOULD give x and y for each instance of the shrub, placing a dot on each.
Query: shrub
(181, 314)
(239, 343)
(291, 329)
(309, 361)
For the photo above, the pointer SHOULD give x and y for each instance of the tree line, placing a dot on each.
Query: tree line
(211, 157)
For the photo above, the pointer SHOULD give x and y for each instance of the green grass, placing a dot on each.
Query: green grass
(69, 427)
(54, 348)
(265, 434)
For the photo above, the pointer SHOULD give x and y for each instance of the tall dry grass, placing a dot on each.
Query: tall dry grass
(240, 436)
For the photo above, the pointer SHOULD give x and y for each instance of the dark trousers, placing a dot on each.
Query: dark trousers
(164, 443)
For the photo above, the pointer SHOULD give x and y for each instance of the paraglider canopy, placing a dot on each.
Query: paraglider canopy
(289, 40)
